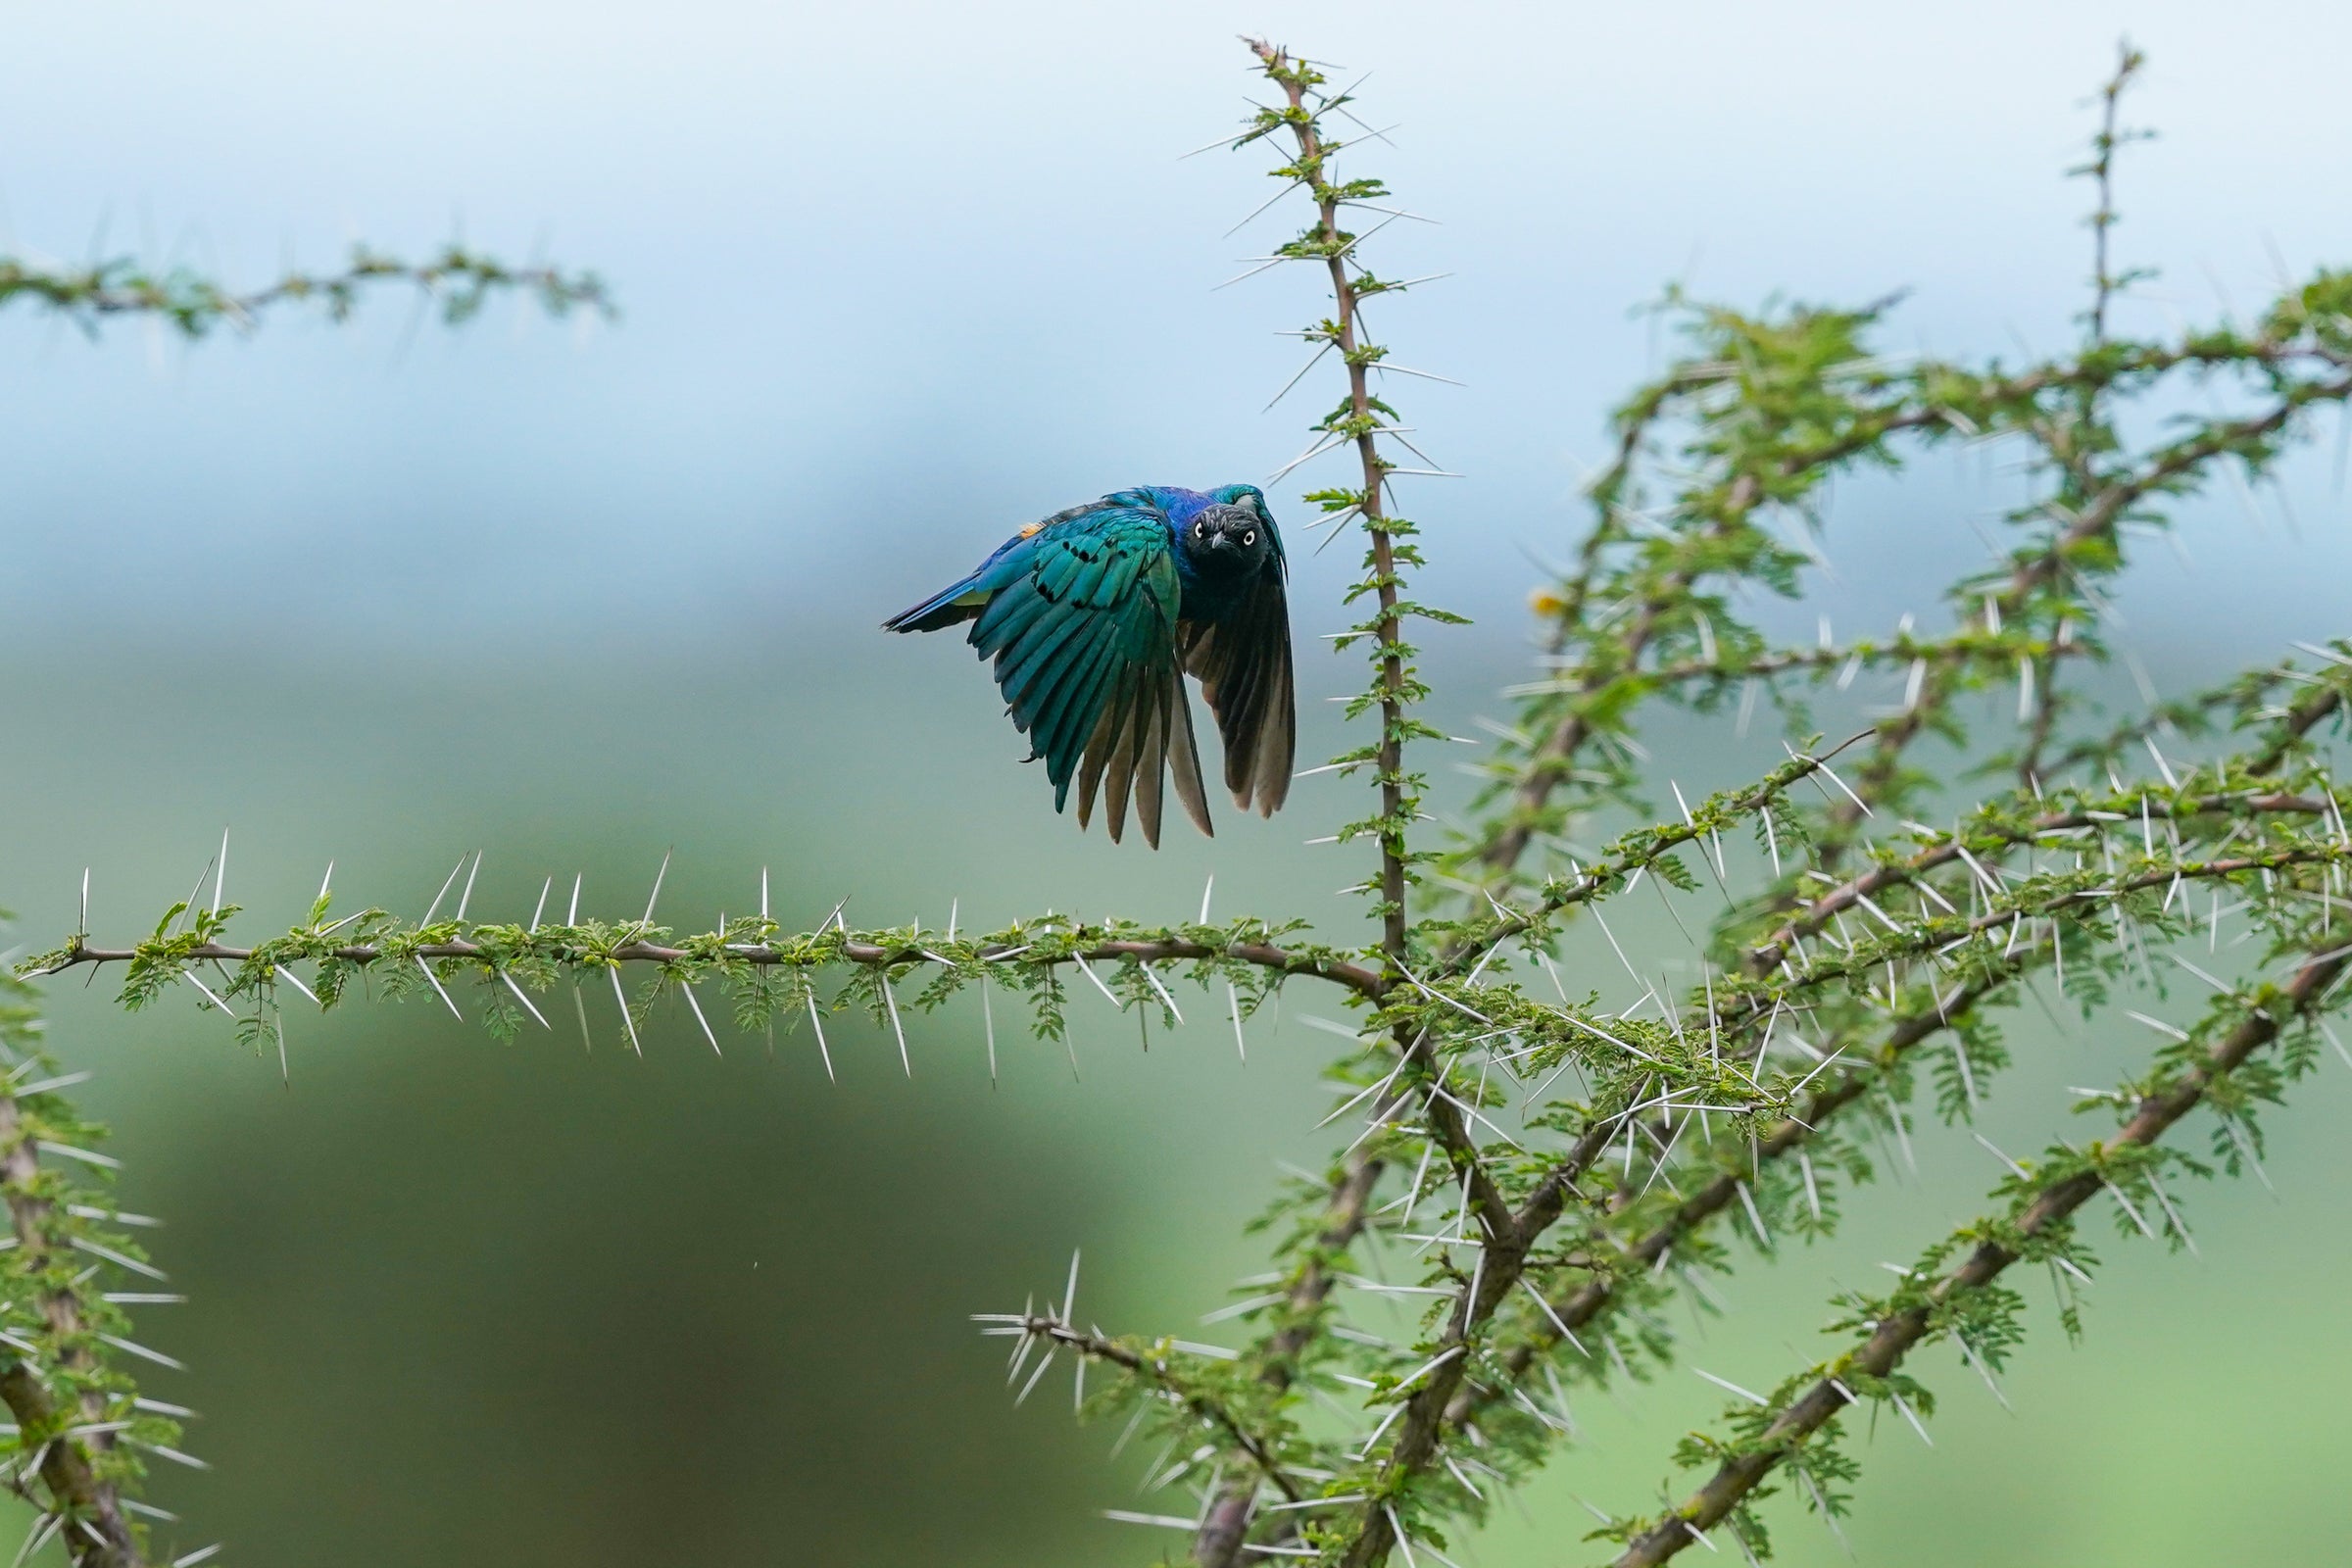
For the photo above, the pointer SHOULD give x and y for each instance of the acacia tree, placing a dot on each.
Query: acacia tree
(1535, 1174)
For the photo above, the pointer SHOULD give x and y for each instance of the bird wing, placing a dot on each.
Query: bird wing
(1244, 664)
(1081, 622)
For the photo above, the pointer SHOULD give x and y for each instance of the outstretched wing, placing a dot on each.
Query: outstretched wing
(1081, 620)
(1244, 664)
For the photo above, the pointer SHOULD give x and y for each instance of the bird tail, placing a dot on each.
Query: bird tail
(962, 601)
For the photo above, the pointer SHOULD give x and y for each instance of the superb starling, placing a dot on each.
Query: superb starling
(1096, 615)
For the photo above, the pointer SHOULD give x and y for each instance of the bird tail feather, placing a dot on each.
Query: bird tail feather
(963, 602)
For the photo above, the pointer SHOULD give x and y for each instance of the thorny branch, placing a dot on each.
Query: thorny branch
(458, 281)
(81, 1425)
(1554, 1171)
(2034, 1227)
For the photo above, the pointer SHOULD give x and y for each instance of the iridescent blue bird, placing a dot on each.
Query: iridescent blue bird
(1094, 616)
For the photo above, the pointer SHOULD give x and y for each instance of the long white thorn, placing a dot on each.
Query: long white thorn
(1088, 970)
(1564, 1331)
(687, 986)
(890, 1001)
(450, 882)
(622, 998)
(1169, 1000)
(819, 1025)
(656, 893)
(988, 1020)
(466, 897)
(439, 988)
(524, 997)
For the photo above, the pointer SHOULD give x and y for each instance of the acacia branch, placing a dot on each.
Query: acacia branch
(1225, 1524)
(97, 1532)
(1932, 401)
(458, 279)
(1151, 1367)
(2306, 715)
(1602, 1289)
(2042, 1209)
(1446, 1403)
(871, 955)
(1931, 935)
(1631, 854)
(1991, 835)
(2094, 524)
(1344, 332)
(1966, 645)
(1219, 1543)
(1585, 1303)
(746, 947)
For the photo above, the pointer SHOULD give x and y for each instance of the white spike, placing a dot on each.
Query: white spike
(819, 1024)
(436, 907)
(466, 897)
(890, 999)
(656, 893)
(1748, 1394)
(988, 1018)
(437, 988)
(1565, 1332)
(1164, 991)
(281, 972)
(688, 987)
(524, 996)
(622, 997)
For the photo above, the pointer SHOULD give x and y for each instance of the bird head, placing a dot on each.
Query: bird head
(1233, 532)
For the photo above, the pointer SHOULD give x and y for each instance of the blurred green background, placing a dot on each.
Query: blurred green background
(384, 595)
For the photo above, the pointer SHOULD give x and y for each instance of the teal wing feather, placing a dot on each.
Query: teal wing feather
(1080, 620)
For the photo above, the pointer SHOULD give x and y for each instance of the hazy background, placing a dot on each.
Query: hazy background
(897, 276)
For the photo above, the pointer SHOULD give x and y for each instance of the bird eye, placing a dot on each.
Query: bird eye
(1200, 530)
(1249, 538)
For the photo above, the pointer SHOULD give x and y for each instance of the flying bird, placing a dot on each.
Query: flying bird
(1094, 616)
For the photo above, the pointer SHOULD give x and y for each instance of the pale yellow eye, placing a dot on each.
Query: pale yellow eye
(1249, 538)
